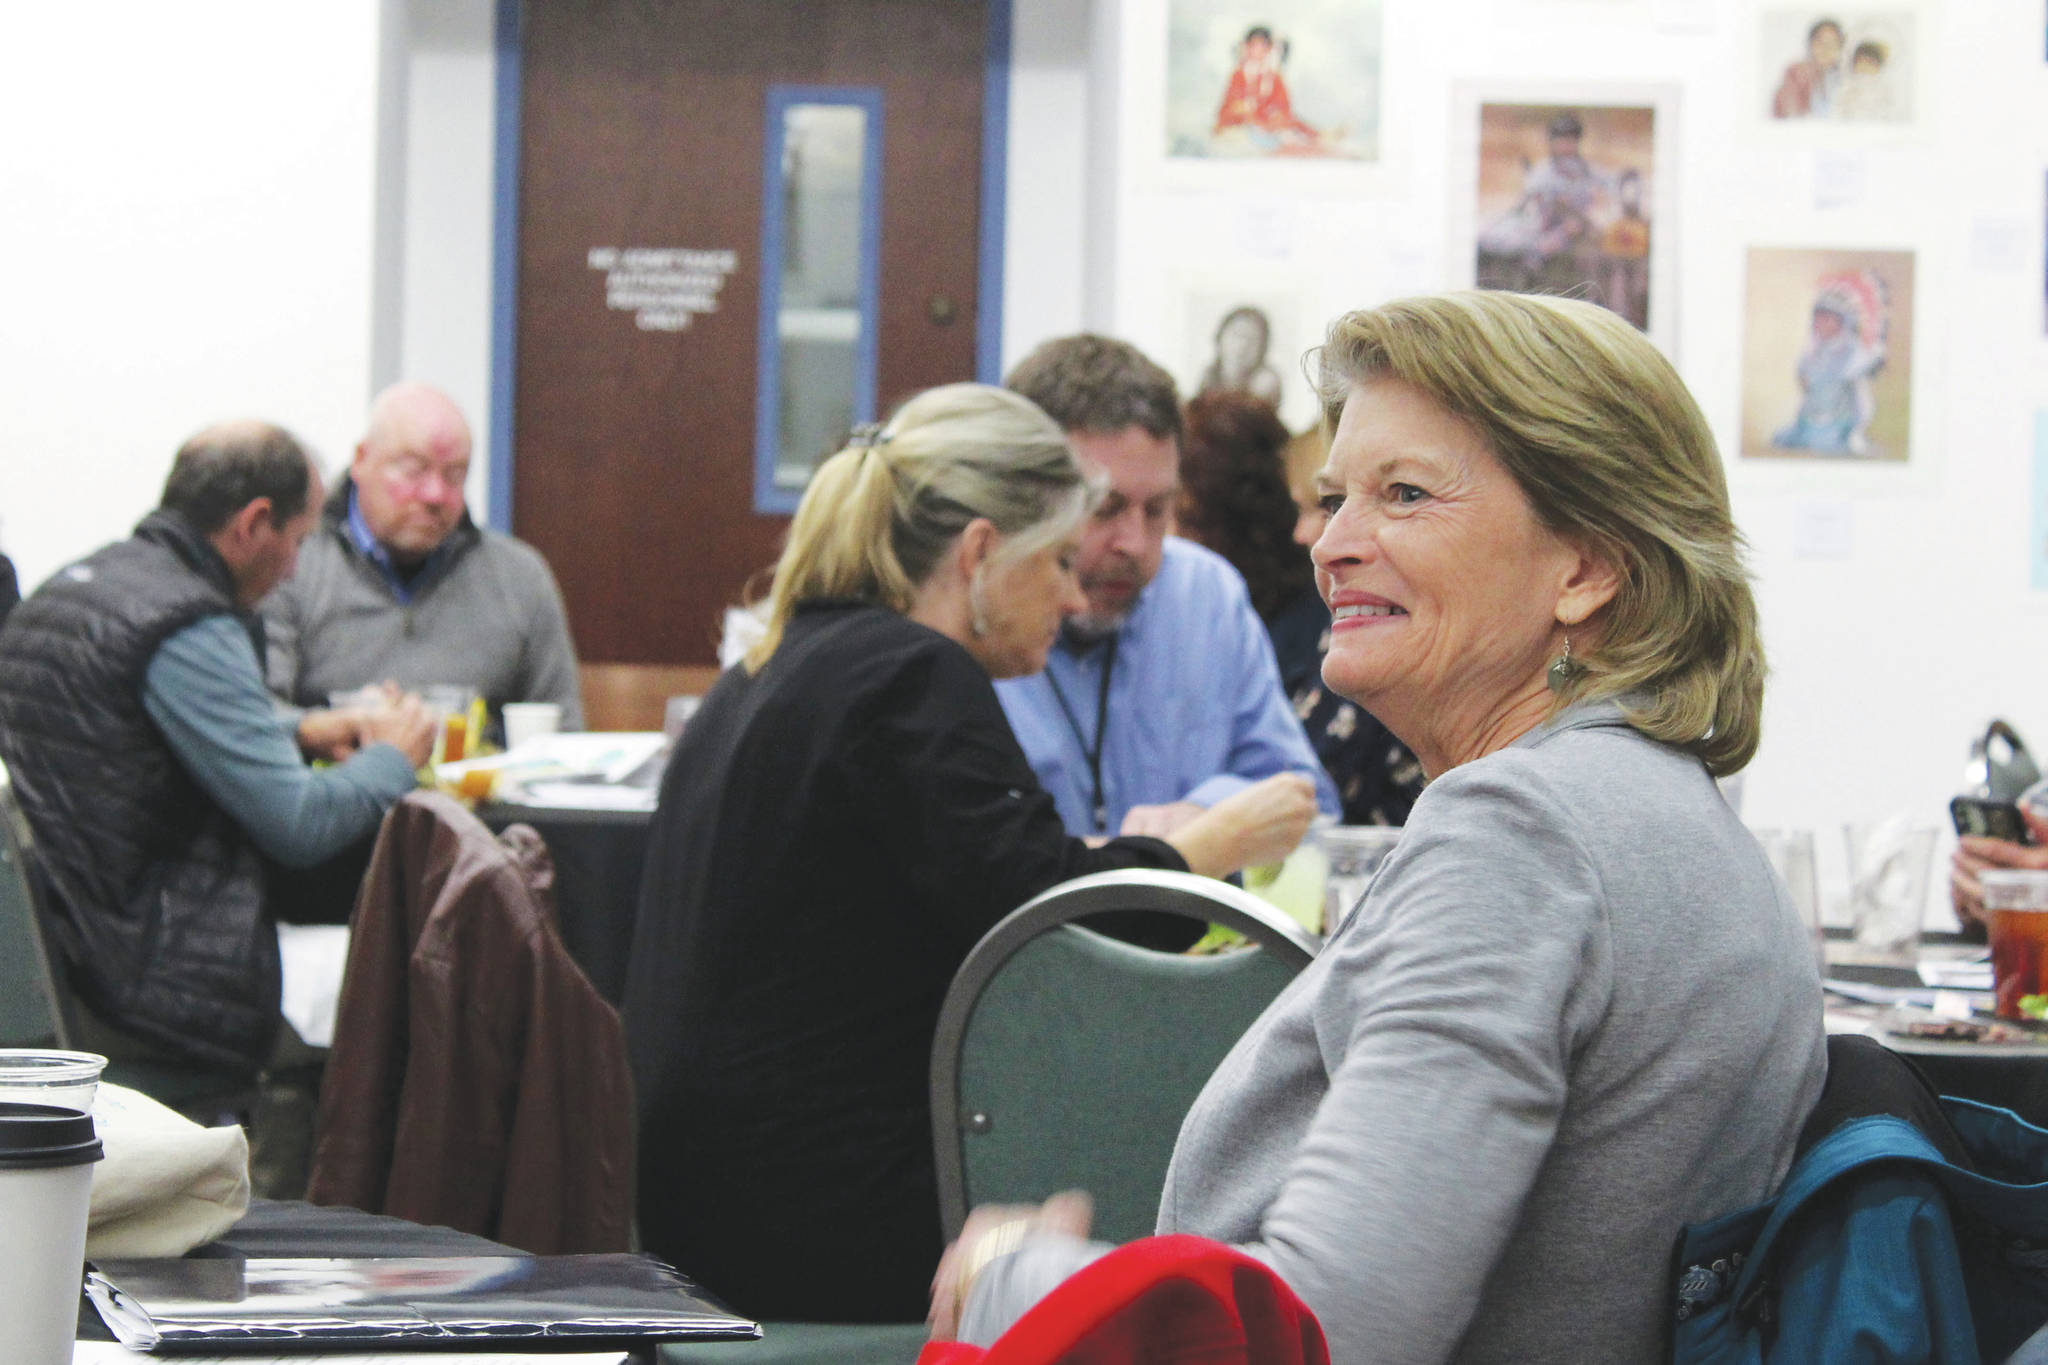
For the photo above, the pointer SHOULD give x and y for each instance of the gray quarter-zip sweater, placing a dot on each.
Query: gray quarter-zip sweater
(1574, 1012)
(486, 614)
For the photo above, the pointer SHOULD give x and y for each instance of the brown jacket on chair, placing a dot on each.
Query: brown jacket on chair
(477, 1079)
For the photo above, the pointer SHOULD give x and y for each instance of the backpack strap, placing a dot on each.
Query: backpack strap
(1853, 1146)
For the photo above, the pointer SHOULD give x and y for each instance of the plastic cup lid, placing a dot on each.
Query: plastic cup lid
(45, 1135)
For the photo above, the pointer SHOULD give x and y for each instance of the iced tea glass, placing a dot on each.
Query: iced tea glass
(2017, 903)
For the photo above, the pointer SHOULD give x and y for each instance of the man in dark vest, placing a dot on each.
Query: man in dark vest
(161, 783)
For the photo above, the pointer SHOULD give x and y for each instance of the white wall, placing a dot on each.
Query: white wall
(187, 237)
(192, 234)
(444, 332)
(1886, 660)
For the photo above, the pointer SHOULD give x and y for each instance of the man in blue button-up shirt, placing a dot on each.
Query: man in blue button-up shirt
(1163, 698)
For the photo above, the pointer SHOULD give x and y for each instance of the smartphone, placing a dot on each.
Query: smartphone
(1991, 819)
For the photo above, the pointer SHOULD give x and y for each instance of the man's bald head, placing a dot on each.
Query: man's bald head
(410, 468)
(229, 465)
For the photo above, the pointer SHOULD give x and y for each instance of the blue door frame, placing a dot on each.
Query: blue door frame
(988, 330)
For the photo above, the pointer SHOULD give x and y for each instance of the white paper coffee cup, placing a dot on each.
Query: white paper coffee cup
(46, 1157)
(525, 720)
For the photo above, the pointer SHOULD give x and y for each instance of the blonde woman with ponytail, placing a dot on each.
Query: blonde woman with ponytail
(847, 813)
(1574, 1011)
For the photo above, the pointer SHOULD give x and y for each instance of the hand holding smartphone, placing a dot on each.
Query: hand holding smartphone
(1985, 818)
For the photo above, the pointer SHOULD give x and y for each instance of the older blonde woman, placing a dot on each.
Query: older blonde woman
(845, 816)
(1575, 1010)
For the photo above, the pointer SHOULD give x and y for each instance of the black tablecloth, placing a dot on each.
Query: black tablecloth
(2011, 1080)
(598, 858)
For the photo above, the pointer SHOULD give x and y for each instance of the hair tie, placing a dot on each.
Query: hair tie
(867, 436)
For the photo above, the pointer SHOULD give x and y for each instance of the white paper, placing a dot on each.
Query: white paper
(1957, 976)
(1266, 232)
(2000, 246)
(313, 956)
(1686, 16)
(595, 758)
(612, 755)
(1823, 530)
(587, 796)
(1838, 178)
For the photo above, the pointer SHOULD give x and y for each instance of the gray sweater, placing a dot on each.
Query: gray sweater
(1574, 1012)
(489, 617)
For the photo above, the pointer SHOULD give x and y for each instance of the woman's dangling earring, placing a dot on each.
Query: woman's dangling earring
(1563, 671)
(977, 614)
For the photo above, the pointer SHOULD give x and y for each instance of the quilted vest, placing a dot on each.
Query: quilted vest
(154, 897)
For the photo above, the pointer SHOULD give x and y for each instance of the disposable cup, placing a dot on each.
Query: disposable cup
(2018, 905)
(1889, 863)
(1791, 855)
(46, 1156)
(525, 720)
(369, 698)
(1354, 853)
(450, 704)
(67, 1080)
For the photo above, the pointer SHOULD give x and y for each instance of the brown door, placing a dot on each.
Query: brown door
(644, 127)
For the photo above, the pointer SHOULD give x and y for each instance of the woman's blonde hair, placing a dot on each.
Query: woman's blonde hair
(878, 516)
(1613, 454)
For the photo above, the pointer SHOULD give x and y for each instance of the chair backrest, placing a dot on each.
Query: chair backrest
(31, 1011)
(1066, 1060)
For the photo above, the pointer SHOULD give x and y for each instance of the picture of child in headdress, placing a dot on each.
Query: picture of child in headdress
(1827, 354)
(1844, 350)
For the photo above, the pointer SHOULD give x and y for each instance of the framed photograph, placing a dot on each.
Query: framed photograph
(1827, 354)
(1288, 80)
(1846, 66)
(1569, 192)
(1247, 332)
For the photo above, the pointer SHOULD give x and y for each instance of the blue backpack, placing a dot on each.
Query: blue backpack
(1880, 1247)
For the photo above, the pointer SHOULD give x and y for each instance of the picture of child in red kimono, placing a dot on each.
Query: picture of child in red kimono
(1256, 106)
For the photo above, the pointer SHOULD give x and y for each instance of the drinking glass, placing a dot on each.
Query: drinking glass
(46, 1076)
(1355, 853)
(1889, 863)
(2017, 902)
(451, 705)
(1791, 855)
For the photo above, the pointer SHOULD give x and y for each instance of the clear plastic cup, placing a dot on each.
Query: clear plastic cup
(1791, 855)
(2017, 903)
(67, 1080)
(452, 706)
(1889, 864)
(1354, 853)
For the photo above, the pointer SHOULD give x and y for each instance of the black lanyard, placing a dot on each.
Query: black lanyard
(1094, 755)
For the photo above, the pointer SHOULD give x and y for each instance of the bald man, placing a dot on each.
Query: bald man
(165, 791)
(399, 584)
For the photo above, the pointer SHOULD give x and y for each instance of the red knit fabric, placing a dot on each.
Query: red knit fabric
(1160, 1301)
